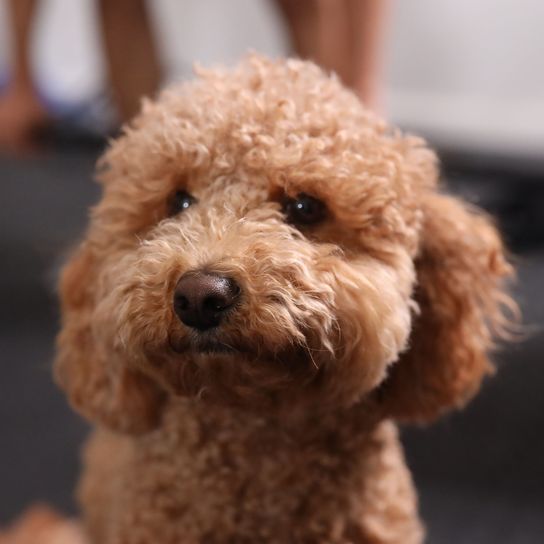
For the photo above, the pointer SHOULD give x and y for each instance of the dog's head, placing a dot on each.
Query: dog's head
(264, 240)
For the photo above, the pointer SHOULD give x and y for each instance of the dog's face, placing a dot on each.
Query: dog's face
(256, 243)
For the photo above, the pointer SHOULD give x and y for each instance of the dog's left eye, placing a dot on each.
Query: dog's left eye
(180, 202)
(304, 210)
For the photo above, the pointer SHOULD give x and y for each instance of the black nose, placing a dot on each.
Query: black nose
(201, 299)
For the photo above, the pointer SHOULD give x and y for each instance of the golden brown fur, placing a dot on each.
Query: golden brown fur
(386, 310)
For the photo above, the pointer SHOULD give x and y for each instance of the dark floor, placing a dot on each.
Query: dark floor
(480, 472)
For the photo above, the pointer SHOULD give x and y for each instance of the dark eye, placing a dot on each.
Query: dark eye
(304, 210)
(180, 202)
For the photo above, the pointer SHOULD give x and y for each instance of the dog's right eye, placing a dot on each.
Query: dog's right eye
(304, 210)
(180, 202)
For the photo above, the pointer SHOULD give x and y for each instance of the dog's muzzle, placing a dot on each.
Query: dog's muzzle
(202, 299)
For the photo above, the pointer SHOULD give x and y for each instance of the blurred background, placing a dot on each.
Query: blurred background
(467, 75)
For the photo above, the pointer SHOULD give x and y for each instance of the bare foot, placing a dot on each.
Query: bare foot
(40, 525)
(22, 118)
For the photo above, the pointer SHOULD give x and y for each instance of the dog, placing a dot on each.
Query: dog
(272, 280)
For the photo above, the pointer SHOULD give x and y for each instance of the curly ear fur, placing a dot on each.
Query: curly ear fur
(461, 270)
(104, 390)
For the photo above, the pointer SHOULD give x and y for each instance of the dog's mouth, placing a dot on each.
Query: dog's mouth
(218, 361)
(202, 344)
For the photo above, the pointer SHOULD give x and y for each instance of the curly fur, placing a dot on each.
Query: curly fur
(386, 310)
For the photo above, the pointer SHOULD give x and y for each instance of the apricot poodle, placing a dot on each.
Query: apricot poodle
(271, 279)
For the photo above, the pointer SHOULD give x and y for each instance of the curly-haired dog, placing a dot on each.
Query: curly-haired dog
(270, 280)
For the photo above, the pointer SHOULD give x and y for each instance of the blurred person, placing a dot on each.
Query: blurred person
(341, 35)
(132, 63)
(345, 36)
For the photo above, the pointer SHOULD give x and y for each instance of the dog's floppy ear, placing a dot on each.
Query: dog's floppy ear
(103, 389)
(460, 291)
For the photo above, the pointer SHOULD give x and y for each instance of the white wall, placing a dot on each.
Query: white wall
(470, 72)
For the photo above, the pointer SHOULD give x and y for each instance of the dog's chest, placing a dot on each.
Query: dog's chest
(207, 474)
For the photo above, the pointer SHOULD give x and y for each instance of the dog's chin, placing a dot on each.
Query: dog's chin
(212, 347)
